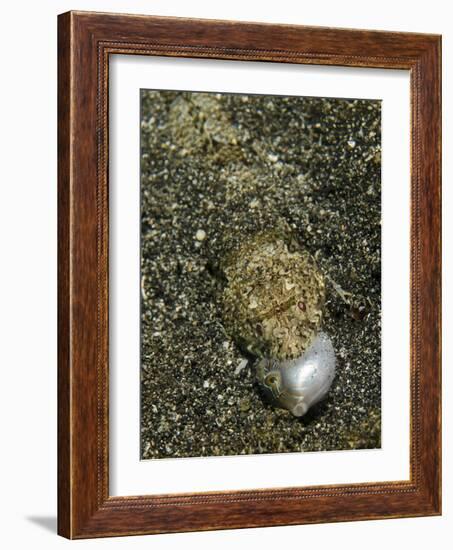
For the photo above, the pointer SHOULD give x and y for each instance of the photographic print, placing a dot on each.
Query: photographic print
(260, 274)
(221, 244)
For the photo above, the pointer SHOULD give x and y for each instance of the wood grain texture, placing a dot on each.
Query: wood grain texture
(64, 368)
(85, 42)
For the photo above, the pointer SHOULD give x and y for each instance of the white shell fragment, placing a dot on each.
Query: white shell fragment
(297, 384)
(200, 235)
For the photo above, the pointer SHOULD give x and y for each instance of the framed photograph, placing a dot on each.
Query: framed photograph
(249, 275)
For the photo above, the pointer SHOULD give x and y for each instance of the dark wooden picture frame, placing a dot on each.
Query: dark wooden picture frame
(85, 42)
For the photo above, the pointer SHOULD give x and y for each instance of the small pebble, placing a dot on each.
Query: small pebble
(241, 366)
(244, 405)
(200, 235)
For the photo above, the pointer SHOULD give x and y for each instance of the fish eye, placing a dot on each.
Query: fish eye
(271, 379)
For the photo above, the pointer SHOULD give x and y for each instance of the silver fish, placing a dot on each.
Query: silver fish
(297, 384)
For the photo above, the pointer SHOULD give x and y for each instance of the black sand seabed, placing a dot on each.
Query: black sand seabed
(210, 163)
